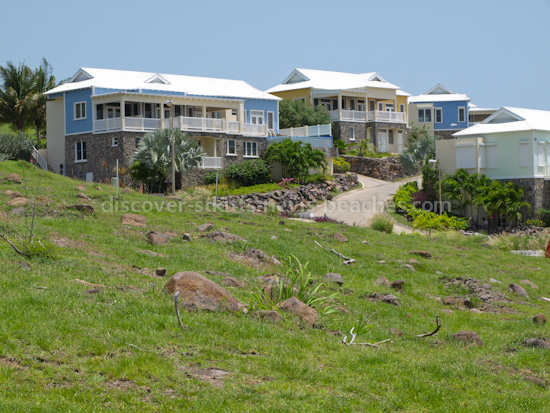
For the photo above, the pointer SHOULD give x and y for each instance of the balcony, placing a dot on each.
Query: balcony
(371, 116)
(140, 124)
(316, 142)
(308, 131)
(211, 162)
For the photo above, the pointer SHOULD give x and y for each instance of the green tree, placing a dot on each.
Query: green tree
(294, 114)
(296, 158)
(153, 155)
(503, 201)
(18, 95)
(44, 80)
(418, 152)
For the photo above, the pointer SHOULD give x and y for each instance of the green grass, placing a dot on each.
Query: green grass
(255, 189)
(62, 349)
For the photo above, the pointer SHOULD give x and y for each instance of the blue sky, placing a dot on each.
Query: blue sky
(495, 51)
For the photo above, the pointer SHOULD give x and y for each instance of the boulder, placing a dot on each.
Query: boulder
(232, 282)
(539, 319)
(398, 285)
(423, 254)
(409, 267)
(18, 200)
(295, 306)
(453, 301)
(267, 315)
(334, 277)
(197, 292)
(206, 227)
(82, 196)
(468, 337)
(383, 281)
(519, 291)
(536, 343)
(338, 236)
(385, 298)
(12, 194)
(161, 272)
(134, 220)
(16, 179)
(18, 211)
(530, 284)
(156, 238)
(88, 209)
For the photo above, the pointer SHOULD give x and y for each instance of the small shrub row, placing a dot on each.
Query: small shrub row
(248, 173)
(341, 165)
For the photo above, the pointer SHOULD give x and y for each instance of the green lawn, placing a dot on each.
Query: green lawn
(63, 349)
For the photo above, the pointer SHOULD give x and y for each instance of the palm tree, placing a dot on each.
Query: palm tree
(17, 95)
(417, 154)
(44, 80)
(154, 153)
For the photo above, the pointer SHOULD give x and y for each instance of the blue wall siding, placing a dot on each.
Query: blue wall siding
(83, 125)
(265, 106)
(450, 115)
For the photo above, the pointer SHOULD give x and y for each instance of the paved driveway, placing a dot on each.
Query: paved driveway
(358, 206)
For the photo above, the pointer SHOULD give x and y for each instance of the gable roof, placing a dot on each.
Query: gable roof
(439, 93)
(134, 81)
(327, 80)
(509, 119)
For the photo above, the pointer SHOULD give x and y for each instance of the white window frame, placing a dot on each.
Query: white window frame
(272, 114)
(491, 155)
(381, 106)
(114, 141)
(82, 106)
(390, 107)
(464, 118)
(541, 154)
(436, 110)
(227, 152)
(257, 114)
(253, 152)
(83, 152)
(424, 112)
(465, 156)
(352, 134)
(401, 108)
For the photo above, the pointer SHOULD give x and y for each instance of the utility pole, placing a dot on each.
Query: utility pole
(172, 145)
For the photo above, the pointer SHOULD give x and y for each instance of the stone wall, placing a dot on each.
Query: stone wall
(387, 169)
(445, 134)
(535, 192)
(342, 130)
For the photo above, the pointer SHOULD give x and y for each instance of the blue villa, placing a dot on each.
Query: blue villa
(443, 111)
(99, 116)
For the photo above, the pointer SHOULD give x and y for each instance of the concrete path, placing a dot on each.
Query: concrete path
(357, 207)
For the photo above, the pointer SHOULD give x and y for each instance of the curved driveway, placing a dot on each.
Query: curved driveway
(358, 206)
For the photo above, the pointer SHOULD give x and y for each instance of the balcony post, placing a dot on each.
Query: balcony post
(162, 115)
(122, 113)
(340, 106)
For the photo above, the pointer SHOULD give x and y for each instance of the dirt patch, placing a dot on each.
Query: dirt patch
(211, 376)
(122, 385)
(11, 361)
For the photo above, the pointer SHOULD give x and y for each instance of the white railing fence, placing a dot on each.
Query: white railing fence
(40, 161)
(308, 131)
(211, 162)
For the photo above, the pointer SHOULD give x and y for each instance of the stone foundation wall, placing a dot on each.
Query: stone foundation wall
(444, 134)
(536, 193)
(342, 130)
(387, 169)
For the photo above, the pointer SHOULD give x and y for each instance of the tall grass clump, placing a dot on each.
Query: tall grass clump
(382, 223)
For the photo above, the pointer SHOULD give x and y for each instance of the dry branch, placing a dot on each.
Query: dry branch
(177, 310)
(437, 327)
(353, 335)
(347, 261)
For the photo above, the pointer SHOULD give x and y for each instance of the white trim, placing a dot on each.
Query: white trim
(76, 160)
(227, 153)
(273, 117)
(465, 117)
(113, 145)
(90, 131)
(74, 110)
(255, 144)
(380, 108)
(440, 110)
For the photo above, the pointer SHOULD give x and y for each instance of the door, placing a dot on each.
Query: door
(399, 141)
(113, 112)
(383, 141)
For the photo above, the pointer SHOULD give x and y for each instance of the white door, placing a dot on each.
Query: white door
(89, 177)
(399, 141)
(382, 142)
(113, 112)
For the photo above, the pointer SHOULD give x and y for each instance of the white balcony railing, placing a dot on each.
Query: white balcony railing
(181, 122)
(372, 116)
(308, 131)
(39, 159)
(211, 162)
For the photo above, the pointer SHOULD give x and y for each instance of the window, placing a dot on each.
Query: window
(250, 149)
(524, 155)
(361, 105)
(177, 111)
(491, 152)
(114, 141)
(271, 120)
(334, 104)
(234, 112)
(148, 110)
(389, 107)
(231, 149)
(99, 112)
(402, 108)
(352, 104)
(352, 133)
(131, 109)
(462, 114)
(257, 117)
(80, 154)
(80, 110)
(540, 154)
(300, 99)
(316, 102)
(390, 137)
(424, 115)
(344, 104)
(438, 115)
(466, 156)
(137, 140)
(381, 106)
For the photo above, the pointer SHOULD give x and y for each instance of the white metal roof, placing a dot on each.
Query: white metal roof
(131, 80)
(509, 119)
(327, 80)
(438, 93)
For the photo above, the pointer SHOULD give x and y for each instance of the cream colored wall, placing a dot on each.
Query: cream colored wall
(292, 94)
(445, 154)
(413, 117)
(208, 146)
(55, 134)
(381, 94)
(401, 100)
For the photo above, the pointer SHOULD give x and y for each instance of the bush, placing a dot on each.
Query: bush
(248, 173)
(382, 223)
(210, 177)
(341, 165)
(15, 147)
(325, 218)
(318, 179)
(544, 216)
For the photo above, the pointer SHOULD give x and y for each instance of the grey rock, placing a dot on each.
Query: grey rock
(518, 290)
(206, 227)
(536, 343)
(383, 281)
(334, 277)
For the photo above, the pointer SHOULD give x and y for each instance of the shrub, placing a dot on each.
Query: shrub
(341, 165)
(324, 218)
(317, 178)
(248, 173)
(15, 147)
(544, 216)
(210, 177)
(382, 223)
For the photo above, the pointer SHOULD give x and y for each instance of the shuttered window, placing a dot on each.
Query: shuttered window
(466, 157)
(524, 155)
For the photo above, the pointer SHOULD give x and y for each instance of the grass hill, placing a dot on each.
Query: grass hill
(68, 346)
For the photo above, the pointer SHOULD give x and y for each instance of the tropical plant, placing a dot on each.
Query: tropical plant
(154, 155)
(296, 158)
(15, 147)
(17, 95)
(503, 201)
(44, 80)
(248, 173)
(382, 223)
(340, 165)
(544, 215)
(294, 114)
(418, 152)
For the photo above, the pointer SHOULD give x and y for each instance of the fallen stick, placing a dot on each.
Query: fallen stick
(177, 310)
(348, 259)
(353, 335)
(545, 299)
(437, 327)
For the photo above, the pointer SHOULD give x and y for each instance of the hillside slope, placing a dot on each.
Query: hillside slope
(65, 345)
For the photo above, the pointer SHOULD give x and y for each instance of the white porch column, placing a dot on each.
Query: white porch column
(340, 106)
(203, 115)
(161, 115)
(122, 113)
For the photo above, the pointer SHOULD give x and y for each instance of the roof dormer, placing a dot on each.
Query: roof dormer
(296, 77)
(439, 89)
(158, 79)
(81, 76)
